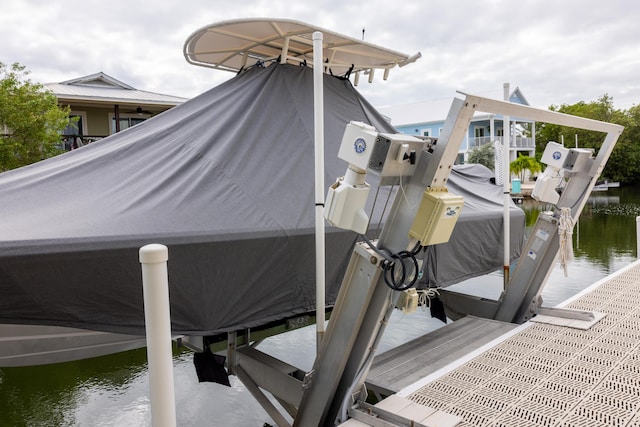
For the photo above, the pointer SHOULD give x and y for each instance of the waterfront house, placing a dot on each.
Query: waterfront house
(105, 105)
(427, 119)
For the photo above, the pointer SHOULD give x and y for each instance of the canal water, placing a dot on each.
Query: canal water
(113, 390)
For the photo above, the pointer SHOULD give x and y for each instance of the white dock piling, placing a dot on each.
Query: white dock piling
(638, 237)
(157, 318)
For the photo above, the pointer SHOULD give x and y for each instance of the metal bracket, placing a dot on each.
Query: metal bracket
(377, 417)
(458, 305)
(567, 313)
(308, 379)
(569, 318)
(232, 360)
(396, 411)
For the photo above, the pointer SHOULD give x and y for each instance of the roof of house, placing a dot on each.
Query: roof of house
(436, 110)
(100, 87)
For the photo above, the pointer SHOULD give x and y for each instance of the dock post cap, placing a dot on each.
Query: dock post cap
(153, 253)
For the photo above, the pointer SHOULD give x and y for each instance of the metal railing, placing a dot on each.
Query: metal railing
(70, 142)
(517, 142)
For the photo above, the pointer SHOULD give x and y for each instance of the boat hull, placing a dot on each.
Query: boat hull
(27, 345)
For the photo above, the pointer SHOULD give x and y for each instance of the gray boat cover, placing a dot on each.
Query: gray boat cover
(476, 246)
(226, 182)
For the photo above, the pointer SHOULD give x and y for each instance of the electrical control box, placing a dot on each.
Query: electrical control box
(436, 217)
(408, 301)
(554, 155)
(395, 155)
(387, 155)
(578, 160)
(357, 144)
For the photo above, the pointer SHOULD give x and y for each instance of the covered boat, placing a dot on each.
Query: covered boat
(226, 182)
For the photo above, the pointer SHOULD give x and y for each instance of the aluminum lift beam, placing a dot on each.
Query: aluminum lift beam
(365, 302)
(521, 300)
(364, 299)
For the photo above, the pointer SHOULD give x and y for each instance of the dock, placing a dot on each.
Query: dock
(523, 191)
(402, 366)
(547, 372)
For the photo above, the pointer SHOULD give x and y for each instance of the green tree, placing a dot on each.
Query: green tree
(624, 163)
(30, 119)
(484, 155)
(524, 163)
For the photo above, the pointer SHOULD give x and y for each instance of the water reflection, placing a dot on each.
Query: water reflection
(113, 390)
(604, 240)
(53, 395)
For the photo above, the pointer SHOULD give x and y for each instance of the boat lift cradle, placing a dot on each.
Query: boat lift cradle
(319, 396)
(336, 381)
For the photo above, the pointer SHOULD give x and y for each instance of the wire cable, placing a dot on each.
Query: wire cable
(404, 194)
(402, 277)
(384, 254)
(373, 206)
(391, 275)
(384, 209)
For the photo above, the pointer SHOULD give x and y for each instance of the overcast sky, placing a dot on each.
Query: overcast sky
(556, 51)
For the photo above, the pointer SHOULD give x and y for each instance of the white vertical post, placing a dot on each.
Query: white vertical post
(492, 129)
(285, 51)
(638, 237)
(318, 125)
(506, 185)
(155, 286)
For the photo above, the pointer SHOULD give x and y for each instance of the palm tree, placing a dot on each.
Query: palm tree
(524, 163)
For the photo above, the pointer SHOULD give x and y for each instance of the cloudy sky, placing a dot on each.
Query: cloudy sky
(556, 51)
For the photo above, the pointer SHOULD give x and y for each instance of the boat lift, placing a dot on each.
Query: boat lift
(423, 213)
(326, 394)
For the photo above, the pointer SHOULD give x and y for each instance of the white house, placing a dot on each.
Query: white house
(105, 105)
(427, 119)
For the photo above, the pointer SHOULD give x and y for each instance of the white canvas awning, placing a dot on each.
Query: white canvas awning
(238, 44)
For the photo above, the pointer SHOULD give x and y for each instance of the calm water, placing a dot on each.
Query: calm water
(113, 390)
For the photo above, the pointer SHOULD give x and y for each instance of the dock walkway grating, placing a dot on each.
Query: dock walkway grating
(549, 375)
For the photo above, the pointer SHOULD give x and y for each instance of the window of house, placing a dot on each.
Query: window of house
(426, 132)
(72, 134)
(74, 129)
(126, 122)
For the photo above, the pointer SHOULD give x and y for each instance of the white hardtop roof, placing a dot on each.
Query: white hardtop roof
(238, 44)
(436, 110)
(100, 87)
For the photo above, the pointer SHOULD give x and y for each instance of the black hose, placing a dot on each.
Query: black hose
(398, 284)
(390, 262)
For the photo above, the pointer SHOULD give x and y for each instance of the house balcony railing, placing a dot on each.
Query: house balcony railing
(517, 142)
(70, 142)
